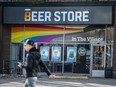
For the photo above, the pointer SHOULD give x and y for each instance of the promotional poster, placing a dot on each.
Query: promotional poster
(44, 51)
(71, 54)
(56, 53)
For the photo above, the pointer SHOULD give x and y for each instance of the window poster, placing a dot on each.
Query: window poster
(56, 53)
(44, 51)
(71, 54)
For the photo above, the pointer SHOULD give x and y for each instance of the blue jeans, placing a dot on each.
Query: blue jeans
(30, 82)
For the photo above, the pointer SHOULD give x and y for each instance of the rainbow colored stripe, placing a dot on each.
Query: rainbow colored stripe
(41, 33)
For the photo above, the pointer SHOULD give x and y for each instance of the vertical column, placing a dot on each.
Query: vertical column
(114, 53)
(5, 40)
(1, 40)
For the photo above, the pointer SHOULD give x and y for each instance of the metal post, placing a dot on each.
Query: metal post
(91, 59)
(3, 67)
(23, 49)
(72, 67)
(63, 50)
(105, 47)
(23, 44)
(53, 66)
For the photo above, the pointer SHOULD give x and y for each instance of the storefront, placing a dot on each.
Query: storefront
(76, 39)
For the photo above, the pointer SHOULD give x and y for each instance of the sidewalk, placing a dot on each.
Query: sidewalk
(45, 82)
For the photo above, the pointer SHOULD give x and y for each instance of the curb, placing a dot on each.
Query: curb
(71, 77)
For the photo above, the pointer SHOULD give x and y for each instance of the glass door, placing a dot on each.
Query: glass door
(98, 60)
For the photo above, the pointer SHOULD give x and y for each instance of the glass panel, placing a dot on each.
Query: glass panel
(109, 55)
(16, 56)
(109, 35)
(98, 57)
(82, 64)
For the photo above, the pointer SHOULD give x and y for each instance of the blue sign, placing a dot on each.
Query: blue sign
(44, 51)
(58, 15)
(56, 53)
(71, 54)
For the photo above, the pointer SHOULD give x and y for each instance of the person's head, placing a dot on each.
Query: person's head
(28, 44)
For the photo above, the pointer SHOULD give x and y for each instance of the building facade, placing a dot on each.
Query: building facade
(76, 37)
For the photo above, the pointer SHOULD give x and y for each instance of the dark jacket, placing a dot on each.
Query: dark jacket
(32, 62)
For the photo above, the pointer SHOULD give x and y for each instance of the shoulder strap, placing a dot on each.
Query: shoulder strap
(36, 58)
(36, 55)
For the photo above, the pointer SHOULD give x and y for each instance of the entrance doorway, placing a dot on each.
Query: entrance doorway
(98, 60)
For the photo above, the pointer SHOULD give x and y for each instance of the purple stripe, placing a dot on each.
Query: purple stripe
(47, 39)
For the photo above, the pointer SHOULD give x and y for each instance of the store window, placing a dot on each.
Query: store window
(69, 44)
(98, 57)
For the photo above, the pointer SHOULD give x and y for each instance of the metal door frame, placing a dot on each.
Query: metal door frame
(91, 63)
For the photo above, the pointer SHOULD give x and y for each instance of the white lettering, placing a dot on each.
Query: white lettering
(92, 39)
(34, 16)
(57, 16)
(78, 16)
(70, 16)
(47, 16)
(40, 16)
(81, 39)
(85, 15)
(64, 15)
(73, 39)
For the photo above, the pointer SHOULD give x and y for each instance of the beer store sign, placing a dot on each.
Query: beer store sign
(58, 15)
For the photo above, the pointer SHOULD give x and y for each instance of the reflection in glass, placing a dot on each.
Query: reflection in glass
(98, 57)
(109, 55)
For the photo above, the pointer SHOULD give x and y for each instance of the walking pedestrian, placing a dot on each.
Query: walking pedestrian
(31, 63)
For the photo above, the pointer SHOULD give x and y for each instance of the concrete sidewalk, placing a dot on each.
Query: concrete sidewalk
(45, 82)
